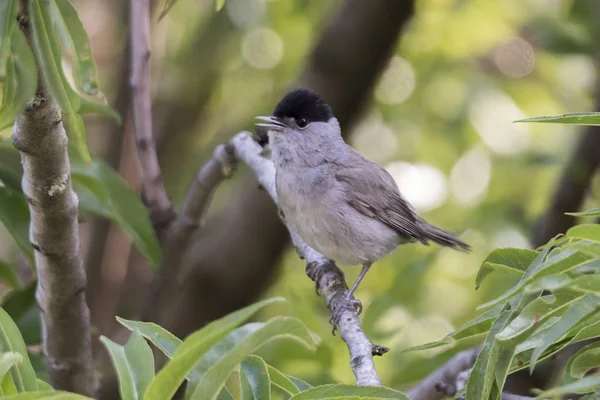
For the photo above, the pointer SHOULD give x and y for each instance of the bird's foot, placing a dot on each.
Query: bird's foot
(345, 304)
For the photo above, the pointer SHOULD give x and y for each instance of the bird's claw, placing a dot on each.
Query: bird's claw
(346, 304)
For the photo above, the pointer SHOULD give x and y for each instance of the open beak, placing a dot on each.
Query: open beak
(272, 123)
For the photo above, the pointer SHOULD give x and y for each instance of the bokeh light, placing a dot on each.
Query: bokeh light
(515, 57)
(470, 177)
(374, 139)
(492, 114)
(422, 185)
(262, 48)
(397, 82)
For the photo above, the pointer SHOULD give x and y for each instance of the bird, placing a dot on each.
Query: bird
(341, 204)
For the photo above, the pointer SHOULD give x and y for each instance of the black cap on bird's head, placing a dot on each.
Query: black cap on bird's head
(296, 110)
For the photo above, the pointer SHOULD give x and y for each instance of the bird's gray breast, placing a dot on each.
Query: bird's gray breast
(315, 207)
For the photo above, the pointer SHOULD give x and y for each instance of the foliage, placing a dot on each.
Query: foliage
(555, 303)
(205, 359)
(58, 35)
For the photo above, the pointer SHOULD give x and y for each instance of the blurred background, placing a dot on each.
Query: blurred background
(429, 89)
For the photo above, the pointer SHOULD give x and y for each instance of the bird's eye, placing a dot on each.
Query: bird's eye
(302, 122)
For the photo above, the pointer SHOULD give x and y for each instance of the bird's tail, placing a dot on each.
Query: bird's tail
(443, 237)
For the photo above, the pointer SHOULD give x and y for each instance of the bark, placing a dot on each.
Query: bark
(54, 233)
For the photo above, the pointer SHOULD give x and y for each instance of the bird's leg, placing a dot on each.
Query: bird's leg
(349, 302)
(362, 274)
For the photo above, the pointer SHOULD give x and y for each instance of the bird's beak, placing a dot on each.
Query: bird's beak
(272, 123)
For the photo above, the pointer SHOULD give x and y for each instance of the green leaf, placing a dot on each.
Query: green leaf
(48, 55)
(576, 312)
(481, 380)
(121, 202)
(585, 231)
(219, 4)
(14, 215)
(160, 337)
(509, 260)
(585, 385)
(589, 213)
(585, 118)
(558, 261)
(7, 361)
(300, 384)
(254, 379)
(537, 311)
(75, 43)
(23, 375)
(187, 355)
(280, 380)
(21, 80)
(230, 351)
(582, 362)
(50, 395)
(43, 385)
(476, 327)
(134, 363)
(8, 275)
(349, 392)
(18, 302)
(165, 6)
(8, 19)
(225, 394)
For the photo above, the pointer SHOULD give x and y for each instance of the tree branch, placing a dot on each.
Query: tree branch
(54, 233)
(196, 202)
(328, 278)
(451, 378)
(158, 202)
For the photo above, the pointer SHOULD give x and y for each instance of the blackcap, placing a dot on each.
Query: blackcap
(340, 203)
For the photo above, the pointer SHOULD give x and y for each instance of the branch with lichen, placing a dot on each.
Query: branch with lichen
(40, 137)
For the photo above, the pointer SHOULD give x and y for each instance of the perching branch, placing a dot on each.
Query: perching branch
(158, 202)
(54, 233)
(328, 278)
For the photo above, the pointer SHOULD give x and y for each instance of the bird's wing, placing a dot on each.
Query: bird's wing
(370, 189)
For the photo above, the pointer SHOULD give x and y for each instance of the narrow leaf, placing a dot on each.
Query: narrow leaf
(247, 342)
(14, 215)
(509, 260)
(585, 385)
(8, 19)
(8, 275)
(123, 204)
(7, 361)
(576, 312)
(585, 231)
(349, 391)
(586, 118)
(134, 364)
(255, 373)
(219, 4)
(589, 213)
(585, 360)
(160, 337)
(280, 380)
(23, 375)
(167, 381)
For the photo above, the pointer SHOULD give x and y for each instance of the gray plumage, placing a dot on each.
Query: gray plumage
(343, 205)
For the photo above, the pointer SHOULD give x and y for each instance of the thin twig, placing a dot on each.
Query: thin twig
(328, 278)
(156, 198)
(54, 234)
(197, 200)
